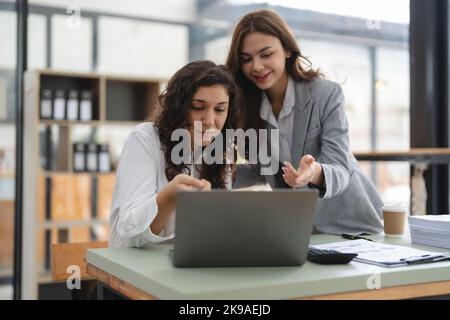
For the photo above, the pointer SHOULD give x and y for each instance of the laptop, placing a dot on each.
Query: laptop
(243, 229)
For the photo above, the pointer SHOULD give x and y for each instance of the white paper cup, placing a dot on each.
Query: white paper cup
(394, 217)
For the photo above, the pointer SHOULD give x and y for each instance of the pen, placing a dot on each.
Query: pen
(354, 237)
(420, 260)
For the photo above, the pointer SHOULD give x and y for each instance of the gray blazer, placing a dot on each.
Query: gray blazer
(349, 203)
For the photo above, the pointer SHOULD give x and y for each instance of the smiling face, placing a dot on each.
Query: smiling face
(210, 108)
(263, 60)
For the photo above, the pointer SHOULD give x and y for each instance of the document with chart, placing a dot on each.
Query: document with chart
(384, 255)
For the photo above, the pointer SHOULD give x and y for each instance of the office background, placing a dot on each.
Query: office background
(390, 58)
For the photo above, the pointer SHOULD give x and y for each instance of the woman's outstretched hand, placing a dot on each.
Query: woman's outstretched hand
(306, 172)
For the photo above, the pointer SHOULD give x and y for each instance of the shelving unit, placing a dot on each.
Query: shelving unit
(6, 236)
(61, 205)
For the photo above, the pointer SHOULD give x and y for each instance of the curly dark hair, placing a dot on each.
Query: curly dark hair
(175, 102)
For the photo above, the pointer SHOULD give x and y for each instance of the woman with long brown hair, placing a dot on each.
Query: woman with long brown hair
(202, 100)
(282, 91)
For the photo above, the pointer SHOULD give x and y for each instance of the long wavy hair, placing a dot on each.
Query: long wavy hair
(297, 65)
(175, 102)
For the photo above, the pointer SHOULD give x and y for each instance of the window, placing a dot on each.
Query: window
(71, 43)
(348, 65)
(8, 36)
(392, 89)
(141, 48)
(37, 41)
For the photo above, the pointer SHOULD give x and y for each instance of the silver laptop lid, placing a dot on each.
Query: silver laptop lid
(225, 229)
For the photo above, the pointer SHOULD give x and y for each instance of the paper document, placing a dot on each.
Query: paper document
(257, 187)
(430, 230)
(431, 221)
(384, 255)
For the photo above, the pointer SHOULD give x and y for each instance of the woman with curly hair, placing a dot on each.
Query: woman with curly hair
(200, 95)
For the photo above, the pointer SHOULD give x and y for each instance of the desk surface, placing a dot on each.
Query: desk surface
(149, 274)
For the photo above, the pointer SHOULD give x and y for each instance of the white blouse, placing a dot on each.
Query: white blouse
(140, 176)
(284, 123)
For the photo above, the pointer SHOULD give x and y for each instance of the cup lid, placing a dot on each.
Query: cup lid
(394, 208)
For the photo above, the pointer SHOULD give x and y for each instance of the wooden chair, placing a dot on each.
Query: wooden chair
(65, 255)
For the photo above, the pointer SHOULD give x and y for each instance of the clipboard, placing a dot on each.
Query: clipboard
(384, 255)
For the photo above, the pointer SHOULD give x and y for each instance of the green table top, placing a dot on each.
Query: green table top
(151, 271)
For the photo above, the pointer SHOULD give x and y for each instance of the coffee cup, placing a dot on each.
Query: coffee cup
(394, 217)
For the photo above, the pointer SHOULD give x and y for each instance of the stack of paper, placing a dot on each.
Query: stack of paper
(431, 230)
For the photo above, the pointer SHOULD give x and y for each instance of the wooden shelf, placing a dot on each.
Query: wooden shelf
(68, 122)
(45, 277)
(69, 74)
(60, 204)
(119, 123)
(96, 123)
(50, 224)
(49, 174)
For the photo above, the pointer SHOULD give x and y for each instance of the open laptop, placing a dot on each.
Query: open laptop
(243, 229)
